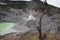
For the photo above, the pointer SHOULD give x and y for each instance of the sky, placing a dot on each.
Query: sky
(54, 2)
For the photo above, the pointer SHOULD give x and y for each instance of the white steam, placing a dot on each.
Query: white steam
(30, 17)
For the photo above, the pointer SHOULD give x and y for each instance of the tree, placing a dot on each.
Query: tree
(39, 27)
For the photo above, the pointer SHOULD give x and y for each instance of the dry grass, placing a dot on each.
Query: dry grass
(29, 36)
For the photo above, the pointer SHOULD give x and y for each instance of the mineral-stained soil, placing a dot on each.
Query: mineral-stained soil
(30, 36)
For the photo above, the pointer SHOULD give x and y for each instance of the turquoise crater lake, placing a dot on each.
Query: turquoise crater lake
(4, 26)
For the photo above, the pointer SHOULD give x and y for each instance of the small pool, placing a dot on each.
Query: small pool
(4, 26)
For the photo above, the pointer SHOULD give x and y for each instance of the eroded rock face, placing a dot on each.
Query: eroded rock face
(31, 18)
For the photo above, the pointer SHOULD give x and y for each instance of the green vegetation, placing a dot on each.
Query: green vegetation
(17, 4)
(25, 4)
(4, 7)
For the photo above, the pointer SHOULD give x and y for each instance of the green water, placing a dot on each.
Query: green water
(5, 26)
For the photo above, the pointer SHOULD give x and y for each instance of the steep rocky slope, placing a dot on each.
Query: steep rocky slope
(30, 17)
